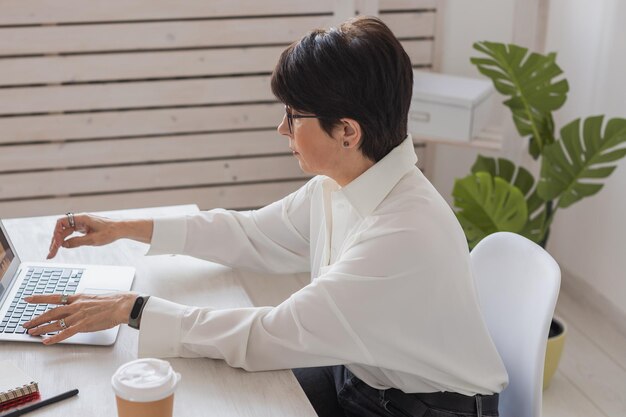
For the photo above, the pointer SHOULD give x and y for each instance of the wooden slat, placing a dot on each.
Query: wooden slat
(420, 52)
(144, 177)
(411, 25)
(171, 35)
(393, 5)
(139, 123)
(14, 12)
(129, 66)
(20, 12)
(134, 95)
(146, 150)
(140, 150)
(155, 35)
(231, 196)
(161, 148)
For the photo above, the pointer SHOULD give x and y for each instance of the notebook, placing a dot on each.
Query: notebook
(15, 386)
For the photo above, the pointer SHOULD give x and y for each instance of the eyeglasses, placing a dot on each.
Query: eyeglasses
(291, 116)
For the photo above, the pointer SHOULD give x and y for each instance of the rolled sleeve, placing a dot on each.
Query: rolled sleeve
(169, 235)
(160, 331)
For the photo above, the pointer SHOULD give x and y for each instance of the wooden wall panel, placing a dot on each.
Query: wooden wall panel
(134, 66)
(147, 176)
(155, 35)
(90, 97)
(20, 12)
(395, 5)
(56, 127)
(16, 41)
(70, 154)
(420, 52)
(158, 65)
(130, 103)
(411, 25)
(241, 196)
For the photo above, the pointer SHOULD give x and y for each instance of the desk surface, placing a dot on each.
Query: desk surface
(208, 387)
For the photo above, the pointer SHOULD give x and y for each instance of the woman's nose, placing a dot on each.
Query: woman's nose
(283, 127)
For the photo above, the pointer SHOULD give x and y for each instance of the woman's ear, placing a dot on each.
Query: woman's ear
(349, 133)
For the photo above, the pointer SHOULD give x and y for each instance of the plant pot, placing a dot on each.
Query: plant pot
(556, 340)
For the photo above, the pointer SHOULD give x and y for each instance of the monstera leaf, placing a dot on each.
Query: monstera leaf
(572, 166)
(488, 204)
(528, 79)
(520, 177)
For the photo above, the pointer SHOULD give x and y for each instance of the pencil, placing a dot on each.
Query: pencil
(43, 403)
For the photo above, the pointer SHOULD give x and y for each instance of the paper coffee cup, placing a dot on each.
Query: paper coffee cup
(145, 387)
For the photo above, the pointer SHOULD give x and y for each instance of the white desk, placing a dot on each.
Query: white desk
(208, 387)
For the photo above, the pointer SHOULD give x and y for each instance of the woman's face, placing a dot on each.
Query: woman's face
(317, 152)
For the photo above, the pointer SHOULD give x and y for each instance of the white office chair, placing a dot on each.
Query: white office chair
(518, 284)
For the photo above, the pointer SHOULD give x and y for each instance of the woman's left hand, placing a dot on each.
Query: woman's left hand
(82, 313)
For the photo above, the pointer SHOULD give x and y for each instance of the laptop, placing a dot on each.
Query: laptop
(21, 279)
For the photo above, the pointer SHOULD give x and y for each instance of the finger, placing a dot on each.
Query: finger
(65, 334)
(49, 328)
(62, 230)
(63, 223)
(48, 316)
(57, 242)
(51, 298)
(83, 222)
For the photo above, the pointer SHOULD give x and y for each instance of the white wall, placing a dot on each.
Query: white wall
(588, 239)
(466, 22)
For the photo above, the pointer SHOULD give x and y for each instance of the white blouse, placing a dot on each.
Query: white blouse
(391, 295)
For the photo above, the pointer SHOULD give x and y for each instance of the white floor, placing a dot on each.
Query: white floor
(591, 379)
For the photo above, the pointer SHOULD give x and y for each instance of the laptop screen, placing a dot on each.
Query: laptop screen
(6, 254)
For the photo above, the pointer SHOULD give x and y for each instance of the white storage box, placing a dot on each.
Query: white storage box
(449, 107)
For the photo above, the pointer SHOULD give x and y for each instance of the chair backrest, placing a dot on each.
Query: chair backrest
(518, 284)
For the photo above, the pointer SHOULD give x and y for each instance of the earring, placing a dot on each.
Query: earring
(346, 144)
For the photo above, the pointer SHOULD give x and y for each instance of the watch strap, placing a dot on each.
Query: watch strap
(134, 320)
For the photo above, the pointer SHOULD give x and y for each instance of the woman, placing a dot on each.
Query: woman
(390, 323)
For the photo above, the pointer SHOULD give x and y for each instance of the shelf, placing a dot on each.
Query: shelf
(490, 138)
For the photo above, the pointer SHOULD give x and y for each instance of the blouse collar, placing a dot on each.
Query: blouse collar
(369, 189)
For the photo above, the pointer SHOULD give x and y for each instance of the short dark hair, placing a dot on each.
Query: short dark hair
(359, 71)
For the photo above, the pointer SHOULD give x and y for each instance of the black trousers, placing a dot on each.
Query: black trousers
(335, 392)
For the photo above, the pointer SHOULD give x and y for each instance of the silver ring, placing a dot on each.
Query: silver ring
(62, 323)
(70, 219)
(64, 299)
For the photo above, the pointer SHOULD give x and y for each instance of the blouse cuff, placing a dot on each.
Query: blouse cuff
(160, 329)
(168, 236)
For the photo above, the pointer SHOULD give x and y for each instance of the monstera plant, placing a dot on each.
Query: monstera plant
(498, 195)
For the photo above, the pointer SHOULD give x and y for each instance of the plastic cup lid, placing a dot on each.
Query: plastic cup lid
(145, 380)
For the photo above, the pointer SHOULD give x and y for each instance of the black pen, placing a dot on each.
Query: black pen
(41, 403)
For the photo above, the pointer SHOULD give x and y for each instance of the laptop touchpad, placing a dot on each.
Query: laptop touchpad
(98, 291)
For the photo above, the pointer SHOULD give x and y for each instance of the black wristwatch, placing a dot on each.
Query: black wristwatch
(134, 320)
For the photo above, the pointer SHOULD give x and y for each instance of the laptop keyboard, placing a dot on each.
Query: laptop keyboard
(38, 281)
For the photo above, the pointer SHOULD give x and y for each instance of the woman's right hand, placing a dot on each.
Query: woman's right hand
(95, 231)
